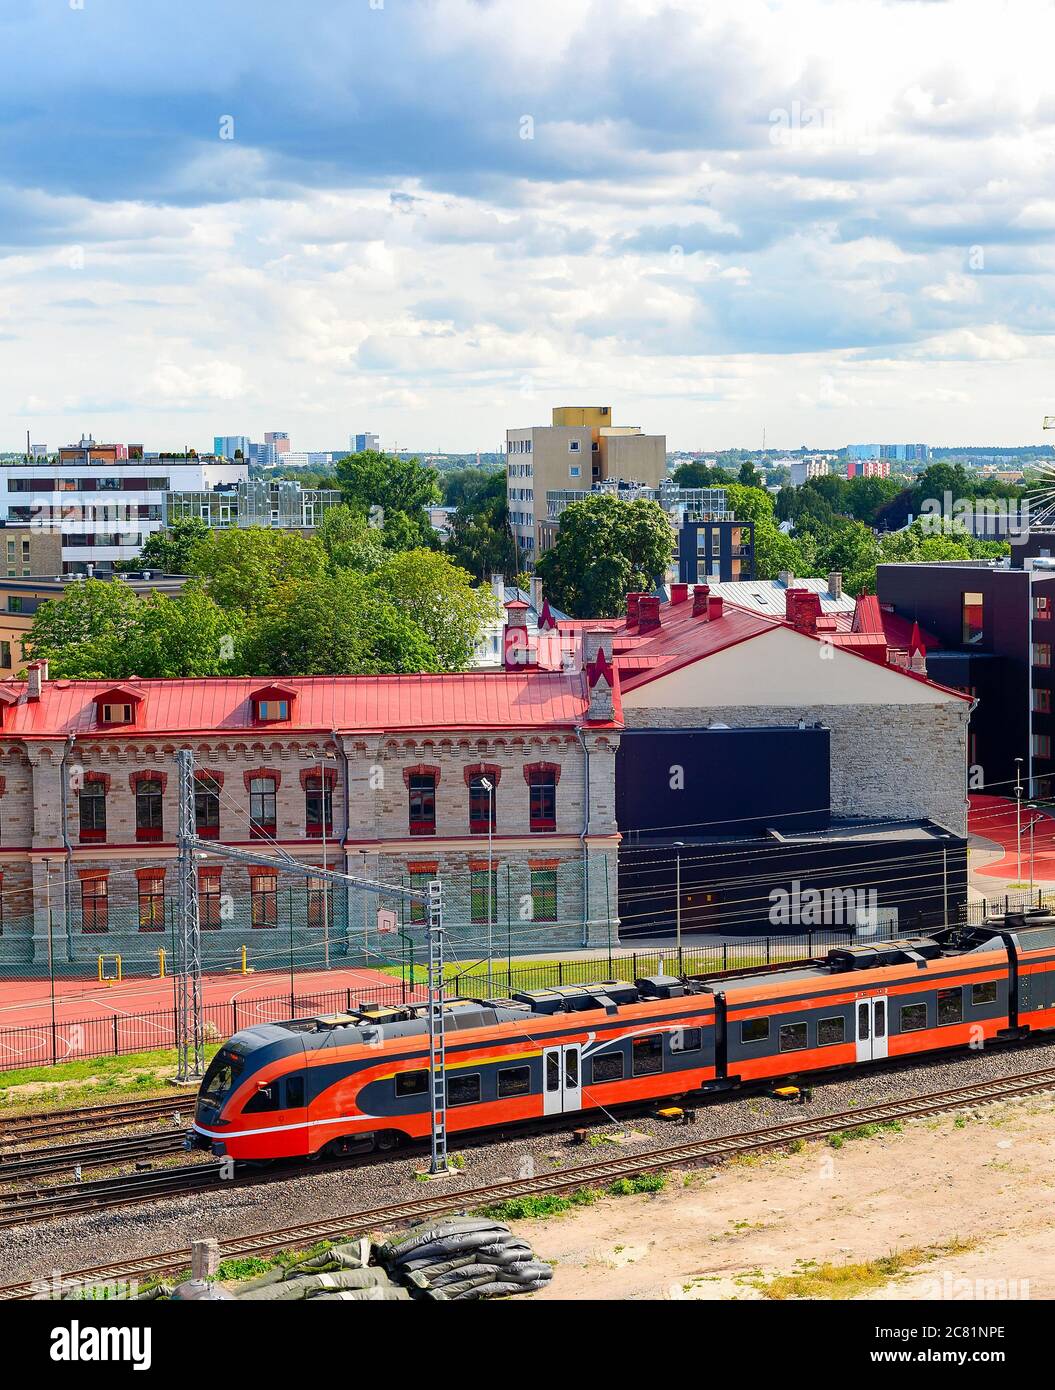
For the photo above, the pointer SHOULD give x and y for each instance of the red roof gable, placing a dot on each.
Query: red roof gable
(470, 700)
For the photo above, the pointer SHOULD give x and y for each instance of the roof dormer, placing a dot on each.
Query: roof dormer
(272, 704)
(117, 706)
(7, 697)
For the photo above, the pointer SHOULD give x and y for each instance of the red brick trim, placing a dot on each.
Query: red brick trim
(148, 774)
(258, 871)
(543, 863)
(429, 866)
(529, 768)
(329, 773)
(420, 770)
(217, 777)
(490, 770)
(103, 777)
(479, 866)
(3, 785)
(142, 874)
(247, 777)
(93, 873)
(213, 871)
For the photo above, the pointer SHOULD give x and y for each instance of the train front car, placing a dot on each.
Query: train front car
(252, 1103)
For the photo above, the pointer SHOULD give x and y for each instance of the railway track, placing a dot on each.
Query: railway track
(436, 1203)
(47, 1124)
(91, 1153)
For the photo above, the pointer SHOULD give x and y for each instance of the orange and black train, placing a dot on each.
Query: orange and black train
(358, 1081)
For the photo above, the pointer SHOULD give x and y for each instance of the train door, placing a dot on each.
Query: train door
(562, 1079)
(872, 1030)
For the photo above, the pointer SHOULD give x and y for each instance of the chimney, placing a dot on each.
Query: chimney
(700, 605)
(786, 578)
(679, 593)
(516, 649)
(599, 672)
(716, 606)
(803, 609)
(917, 652)
(632, 604)
(536, 593)
(37, 673)
(648, 619)
(498, 587)
(835, 584)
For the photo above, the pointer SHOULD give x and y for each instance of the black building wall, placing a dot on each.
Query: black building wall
(691, 782)
(728, 886)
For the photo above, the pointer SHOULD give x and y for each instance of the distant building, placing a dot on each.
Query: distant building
(277, 503)
(868, 468)
(228, 446)
(26, 550)
(278, 439)
(38, 451)
(360, 443)
(802, 470)
(581, 447)
(103, 500)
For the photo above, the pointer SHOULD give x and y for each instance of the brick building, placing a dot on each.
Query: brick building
(382, 776)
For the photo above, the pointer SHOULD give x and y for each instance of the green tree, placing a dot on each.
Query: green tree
(169, 550)
(188, 635)
(774, 551)
(439, 597)
(89, 633)
(396, 490)
(337, 624)
(606, 548)
(243, 568)
(350, 542)
(480, 540)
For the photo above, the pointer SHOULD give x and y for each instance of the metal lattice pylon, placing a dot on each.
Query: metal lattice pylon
(190, 1031)
(437, 1031)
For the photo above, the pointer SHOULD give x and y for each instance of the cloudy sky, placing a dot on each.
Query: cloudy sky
(438, 218)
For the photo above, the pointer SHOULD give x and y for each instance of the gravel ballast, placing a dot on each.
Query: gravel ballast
(322, 1192)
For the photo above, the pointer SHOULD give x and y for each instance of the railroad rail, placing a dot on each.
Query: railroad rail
(364, 1221)
(90, 1153)
(53, 1124)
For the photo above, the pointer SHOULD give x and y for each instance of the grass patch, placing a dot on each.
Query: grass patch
(643, 1182)
(90, 1079)
(836, 1141)
(851, 1280)
(533, 1208)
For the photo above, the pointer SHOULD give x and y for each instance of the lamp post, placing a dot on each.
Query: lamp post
(1018, 815)
(489, 789)
(318, 759)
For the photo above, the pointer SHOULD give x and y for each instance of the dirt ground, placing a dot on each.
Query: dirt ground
(972, 1197)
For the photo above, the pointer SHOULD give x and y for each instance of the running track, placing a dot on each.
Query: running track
(994, 818)
(138, 1013)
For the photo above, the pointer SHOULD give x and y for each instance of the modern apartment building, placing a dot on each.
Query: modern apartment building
(231, 446)
(805, 469)
(359, 443)
(581, 447)
(868, 468)
(103, 500)
(26, 550)
(278, 439)
(278, 502)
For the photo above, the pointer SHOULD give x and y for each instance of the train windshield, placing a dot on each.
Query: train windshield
(223, 1073)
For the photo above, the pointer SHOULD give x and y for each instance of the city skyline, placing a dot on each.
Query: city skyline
(733, 224)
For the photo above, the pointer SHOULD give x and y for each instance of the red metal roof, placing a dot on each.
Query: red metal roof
(469, 700)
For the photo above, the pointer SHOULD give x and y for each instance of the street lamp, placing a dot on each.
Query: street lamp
(317, 759)
(489, 789)
(1018, 815)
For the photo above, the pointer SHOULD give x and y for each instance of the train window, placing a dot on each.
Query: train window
(462, 1089)
(864, 1022)
(265, 1099)
(686, 1040)
(412, 1083)
(571, 1068)
(553, 1070)
(879, 1013)
(514, 1081)
(754, 1030)
(608, 1066)
(792, 1037)
(950, 1006)
(295, 1090)
(648, 1055)
(831, 1030)
(913, 1017)
(984, 993)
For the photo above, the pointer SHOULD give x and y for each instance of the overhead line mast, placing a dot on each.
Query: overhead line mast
(189, 1022)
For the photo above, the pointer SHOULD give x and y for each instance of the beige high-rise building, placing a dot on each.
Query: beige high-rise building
(581, 447)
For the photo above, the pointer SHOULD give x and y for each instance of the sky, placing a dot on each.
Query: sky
(436, 219)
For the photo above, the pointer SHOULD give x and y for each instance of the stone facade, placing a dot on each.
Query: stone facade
(893, 762)
(46, 859)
